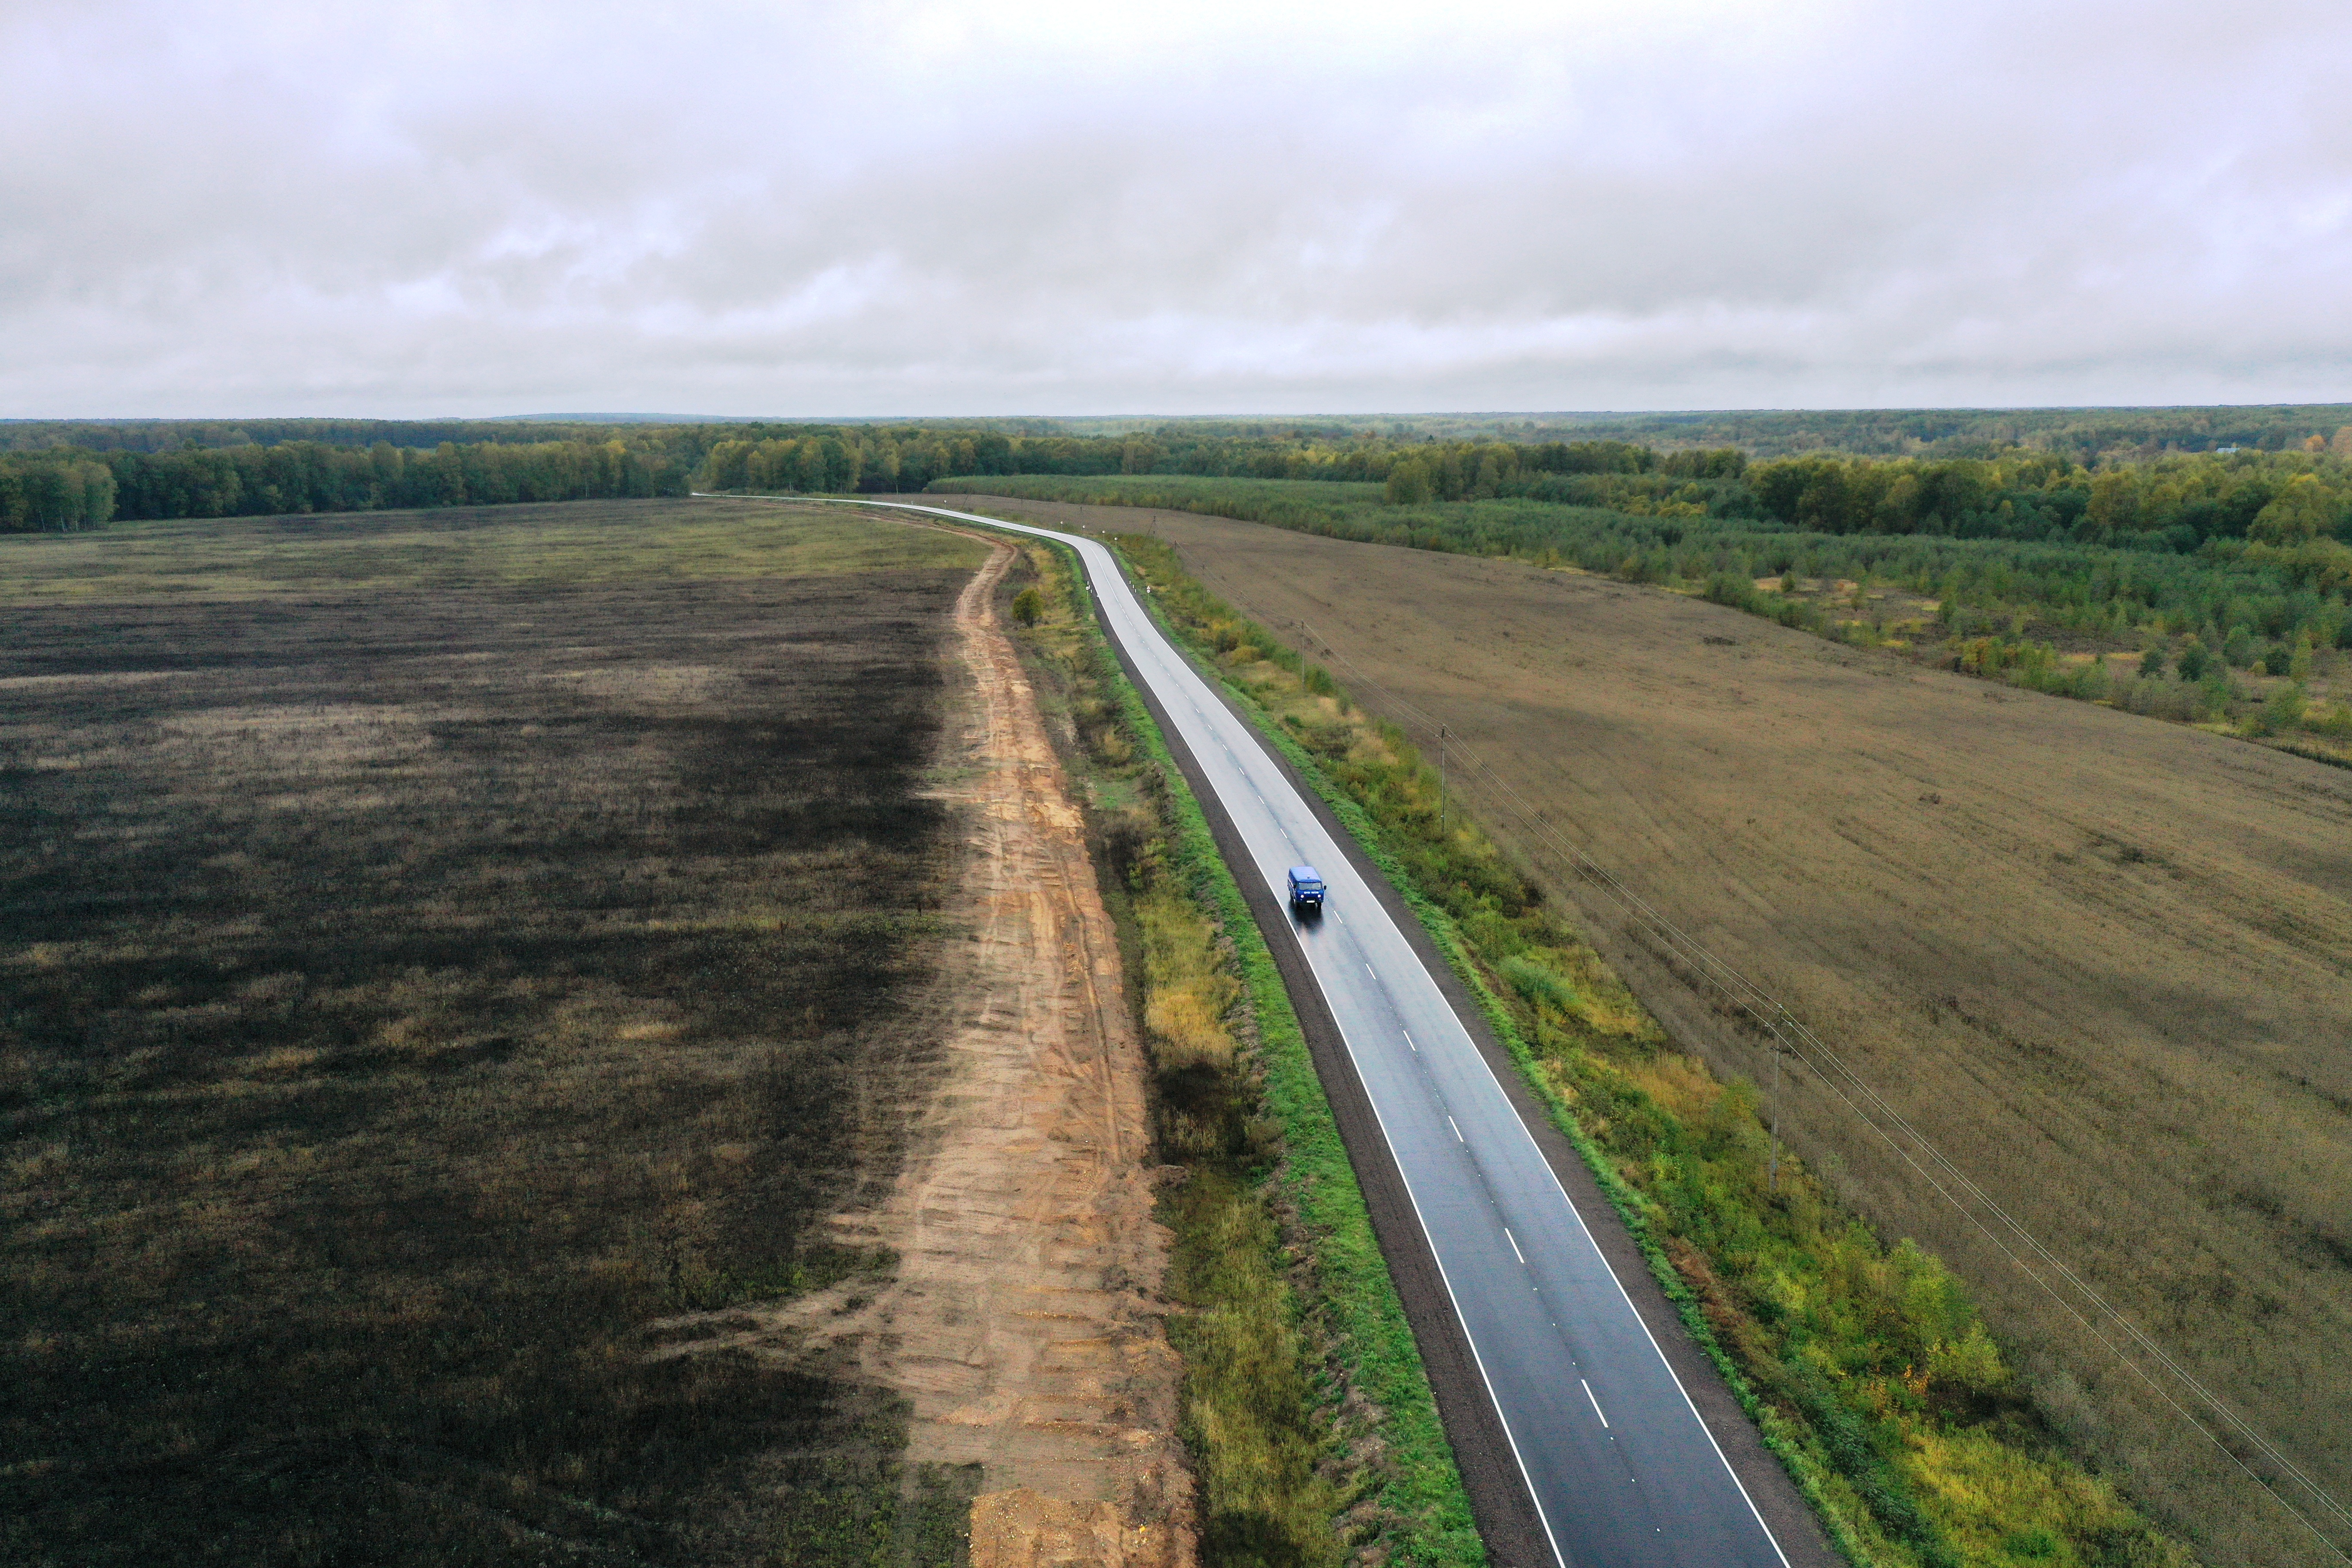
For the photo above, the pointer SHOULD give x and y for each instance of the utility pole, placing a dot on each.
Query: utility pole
(1441, 781)
(1773, 1166)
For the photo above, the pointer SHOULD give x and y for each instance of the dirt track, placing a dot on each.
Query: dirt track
(1022, 1322)
(2105, 963)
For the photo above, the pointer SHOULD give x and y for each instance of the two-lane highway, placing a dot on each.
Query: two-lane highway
(1621, 1467)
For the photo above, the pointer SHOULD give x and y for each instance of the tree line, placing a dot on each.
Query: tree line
(72, 488)
(2289, 497)
(2277, 596)
(2175, 502)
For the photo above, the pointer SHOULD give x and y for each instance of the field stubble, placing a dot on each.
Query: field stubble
(2101, 962)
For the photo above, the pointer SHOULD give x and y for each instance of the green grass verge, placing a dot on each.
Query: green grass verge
(1864, 1365)
(1417, 1510)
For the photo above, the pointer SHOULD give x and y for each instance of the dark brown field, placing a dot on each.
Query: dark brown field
(432, 948)
(2104, 962)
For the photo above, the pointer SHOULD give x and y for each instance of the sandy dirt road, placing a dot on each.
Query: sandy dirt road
(2105, 963)
(1023, 1322)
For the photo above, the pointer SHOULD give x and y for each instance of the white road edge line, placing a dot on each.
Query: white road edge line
(1493, 1401)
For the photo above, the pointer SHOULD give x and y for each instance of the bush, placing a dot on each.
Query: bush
(1027, 607)
(1724, 588)
(2283, 709)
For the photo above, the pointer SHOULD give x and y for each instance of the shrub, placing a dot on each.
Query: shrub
(2283, 709)
(1724, 588)
(1027, 607)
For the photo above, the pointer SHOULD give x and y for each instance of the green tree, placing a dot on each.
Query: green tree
(2282, 710)
(2304, 509)
(1408, 483)
(1027, 607)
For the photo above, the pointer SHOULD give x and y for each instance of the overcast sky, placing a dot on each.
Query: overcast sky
(1008, 207)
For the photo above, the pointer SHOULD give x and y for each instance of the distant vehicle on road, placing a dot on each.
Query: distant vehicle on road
(1305, 890)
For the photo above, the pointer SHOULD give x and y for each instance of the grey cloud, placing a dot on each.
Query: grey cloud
(934, 209)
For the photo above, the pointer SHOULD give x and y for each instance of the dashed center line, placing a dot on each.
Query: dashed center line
(1596, 1402)
(1517, 1254)
(1408, 1040)
(1457, 1132)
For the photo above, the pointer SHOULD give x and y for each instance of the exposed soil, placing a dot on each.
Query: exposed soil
(2103, 962)
(1023, 1322)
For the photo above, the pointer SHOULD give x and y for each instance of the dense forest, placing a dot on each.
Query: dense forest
(2286, 487)
(71, 487)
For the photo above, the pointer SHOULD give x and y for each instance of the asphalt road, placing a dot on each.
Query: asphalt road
(1621, 1468)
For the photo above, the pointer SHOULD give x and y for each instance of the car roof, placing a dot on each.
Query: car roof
(1306, 873)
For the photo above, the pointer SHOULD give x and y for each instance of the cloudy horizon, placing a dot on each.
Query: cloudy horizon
(916, 209)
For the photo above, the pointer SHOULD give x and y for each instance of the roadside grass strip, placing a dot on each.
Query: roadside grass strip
(1385, 1483)
(1866, 1367)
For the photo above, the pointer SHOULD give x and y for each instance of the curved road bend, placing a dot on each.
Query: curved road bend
(1621, 1468)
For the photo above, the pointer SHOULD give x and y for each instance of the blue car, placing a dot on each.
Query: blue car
(1305, 890)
